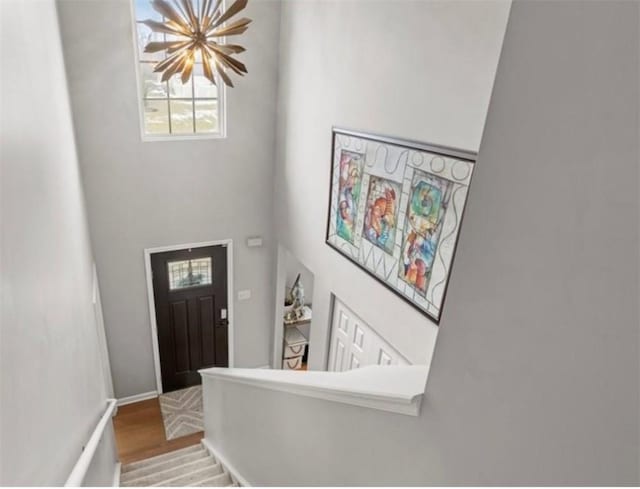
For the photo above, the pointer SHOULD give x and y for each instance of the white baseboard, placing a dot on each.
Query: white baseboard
(226, 465)
(137, 398)
(116, 475)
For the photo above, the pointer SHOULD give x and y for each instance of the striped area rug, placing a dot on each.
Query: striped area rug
(182, 412)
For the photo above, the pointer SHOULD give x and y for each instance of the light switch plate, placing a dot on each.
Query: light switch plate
(254, 242)
(243, 295)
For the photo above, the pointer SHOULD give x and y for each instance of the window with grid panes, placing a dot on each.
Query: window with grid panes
(173, 109)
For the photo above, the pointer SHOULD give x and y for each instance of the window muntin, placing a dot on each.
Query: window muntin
(171, 109)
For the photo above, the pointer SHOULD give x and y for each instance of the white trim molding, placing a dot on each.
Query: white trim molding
(228, 244)
(102, 336)
(396, 389)
(123, 401)
(226, 465)
(116, 475)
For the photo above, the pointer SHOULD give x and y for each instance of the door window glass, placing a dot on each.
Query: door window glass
(189, 273)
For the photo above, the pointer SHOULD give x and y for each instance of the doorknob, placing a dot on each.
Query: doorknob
(223, 322)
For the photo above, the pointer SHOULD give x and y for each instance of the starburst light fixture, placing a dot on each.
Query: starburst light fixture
(194, 29)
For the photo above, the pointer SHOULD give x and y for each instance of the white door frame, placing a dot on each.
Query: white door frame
(278, 331)
(228, 244)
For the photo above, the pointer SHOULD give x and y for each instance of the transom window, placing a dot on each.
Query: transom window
(171, 108)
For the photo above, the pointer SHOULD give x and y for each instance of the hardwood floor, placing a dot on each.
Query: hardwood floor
(140, 432)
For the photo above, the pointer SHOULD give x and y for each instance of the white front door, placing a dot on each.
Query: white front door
(355, 344)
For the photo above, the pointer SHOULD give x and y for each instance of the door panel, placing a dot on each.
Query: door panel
(190, 293)
(221, 342)
(180, 335)
(354, 344)
(339, 341)
(195, 334)
(355, 363)
(338, 355)
(207, 308)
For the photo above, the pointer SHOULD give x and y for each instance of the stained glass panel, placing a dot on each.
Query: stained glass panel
(189, 273)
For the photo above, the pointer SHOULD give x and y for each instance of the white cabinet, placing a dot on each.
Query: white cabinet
(355, 344)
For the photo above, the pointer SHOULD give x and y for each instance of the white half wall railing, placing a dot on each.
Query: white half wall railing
(292, 428)
(84, 461)
(397, 389)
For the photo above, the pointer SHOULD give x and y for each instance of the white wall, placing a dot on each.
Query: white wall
(288, 268)
(292, 268)
(52, 390)
(535, 379)
(142, 195)
(417, 70)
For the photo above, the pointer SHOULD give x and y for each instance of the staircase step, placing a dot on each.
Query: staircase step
(162, 465)
(220, 480)
(175, 472)
(161, 458)
(191, 477)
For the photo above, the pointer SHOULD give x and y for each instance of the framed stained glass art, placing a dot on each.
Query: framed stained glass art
(395, 210)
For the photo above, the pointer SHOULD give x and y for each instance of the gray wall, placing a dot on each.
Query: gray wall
(51, 382)
(292, 268)
(535, 377)
(147, 194)
(417, 70)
